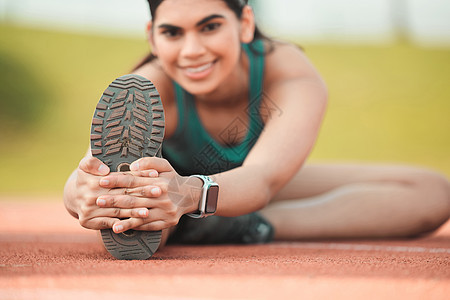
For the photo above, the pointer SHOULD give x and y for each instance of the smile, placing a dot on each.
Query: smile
(199, 72)
(200, 68)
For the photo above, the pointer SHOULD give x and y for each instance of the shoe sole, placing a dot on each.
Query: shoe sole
(128, 124)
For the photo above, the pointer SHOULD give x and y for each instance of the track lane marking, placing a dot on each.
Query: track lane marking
(360, 247)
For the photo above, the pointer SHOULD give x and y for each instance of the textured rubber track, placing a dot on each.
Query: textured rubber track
(128, 124)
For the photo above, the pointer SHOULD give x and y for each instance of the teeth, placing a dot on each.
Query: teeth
(199, 69)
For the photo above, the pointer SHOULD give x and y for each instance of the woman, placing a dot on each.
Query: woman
(262, 125)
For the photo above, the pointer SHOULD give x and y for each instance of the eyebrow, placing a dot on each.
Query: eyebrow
(199, 23)
(209, 18)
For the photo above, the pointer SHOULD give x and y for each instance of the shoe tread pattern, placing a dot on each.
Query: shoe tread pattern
(128, 124)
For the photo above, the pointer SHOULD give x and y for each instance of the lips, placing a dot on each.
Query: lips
(198, 71)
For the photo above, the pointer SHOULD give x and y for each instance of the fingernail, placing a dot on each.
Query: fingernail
(134, 166)
(101, 202)
(103, 169)
(153, 173)
(143, 212)
(118, 228)
(155, 191)
(104, 182)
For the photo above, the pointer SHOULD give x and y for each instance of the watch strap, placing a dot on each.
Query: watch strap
(207, 182)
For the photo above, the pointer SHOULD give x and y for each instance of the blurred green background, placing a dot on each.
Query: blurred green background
(387, 103)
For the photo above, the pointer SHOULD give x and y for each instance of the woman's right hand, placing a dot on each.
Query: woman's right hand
(86, 191)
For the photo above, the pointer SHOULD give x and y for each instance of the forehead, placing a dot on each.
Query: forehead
(184, 11)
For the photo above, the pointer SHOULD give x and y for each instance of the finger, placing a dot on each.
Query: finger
(156, 217)
(124, 225)
(147, 191)
(147, 163)
(99, 223)
(153, 226)
(125, 180)
(122, 213)
(147, 173)
(151, 173)
(130, 223)
(125, 201)
(94, 166)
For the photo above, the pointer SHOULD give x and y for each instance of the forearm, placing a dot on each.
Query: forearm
(251, 187)
(243, 190)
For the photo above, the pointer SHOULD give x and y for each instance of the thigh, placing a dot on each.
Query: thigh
(316, 179)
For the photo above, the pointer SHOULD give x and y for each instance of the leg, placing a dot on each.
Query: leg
(359, 201)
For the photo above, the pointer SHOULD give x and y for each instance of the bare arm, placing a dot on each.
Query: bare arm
(289, 134)
(280, 151)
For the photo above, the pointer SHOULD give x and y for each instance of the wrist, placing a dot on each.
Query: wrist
(193, 191)
(207, 204)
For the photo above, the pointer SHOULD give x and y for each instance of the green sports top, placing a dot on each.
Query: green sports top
(191, 150)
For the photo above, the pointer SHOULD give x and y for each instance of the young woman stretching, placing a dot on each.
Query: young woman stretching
(246, 110)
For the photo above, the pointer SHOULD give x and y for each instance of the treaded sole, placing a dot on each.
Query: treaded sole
(128, 124)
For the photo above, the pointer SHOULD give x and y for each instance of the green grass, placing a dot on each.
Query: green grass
(386, 103)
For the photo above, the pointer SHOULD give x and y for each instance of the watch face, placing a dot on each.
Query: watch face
(211, 199)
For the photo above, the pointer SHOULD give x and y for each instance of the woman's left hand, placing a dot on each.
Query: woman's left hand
(158, 188)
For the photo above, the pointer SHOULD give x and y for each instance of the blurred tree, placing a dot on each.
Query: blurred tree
(23, 99)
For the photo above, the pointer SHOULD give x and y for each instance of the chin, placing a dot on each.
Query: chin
(199, 88)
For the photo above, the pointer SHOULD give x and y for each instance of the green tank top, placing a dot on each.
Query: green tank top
(191, 150)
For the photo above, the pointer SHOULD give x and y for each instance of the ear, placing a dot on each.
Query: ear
(150, 37)
(247, 24)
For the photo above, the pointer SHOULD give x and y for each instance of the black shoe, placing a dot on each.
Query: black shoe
(246, 229)
(128, 124)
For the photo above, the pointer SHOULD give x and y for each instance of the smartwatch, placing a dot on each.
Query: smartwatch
(208, 203)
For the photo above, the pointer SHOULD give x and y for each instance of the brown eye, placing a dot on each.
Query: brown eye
(171, 33)
(211, 27)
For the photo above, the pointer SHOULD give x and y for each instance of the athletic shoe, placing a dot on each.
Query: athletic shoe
(246, 229)
(128, 124)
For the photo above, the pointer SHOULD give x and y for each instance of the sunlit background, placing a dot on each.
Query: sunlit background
(386, 63)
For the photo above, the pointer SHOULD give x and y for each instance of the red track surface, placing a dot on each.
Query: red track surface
(45, 254)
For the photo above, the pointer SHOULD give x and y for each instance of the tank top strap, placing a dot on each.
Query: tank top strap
(255, 53)
(181, 97)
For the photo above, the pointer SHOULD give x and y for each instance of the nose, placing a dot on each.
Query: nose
(193, 46)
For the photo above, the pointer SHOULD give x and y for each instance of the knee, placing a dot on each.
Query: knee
(434, 189)
(435, 186)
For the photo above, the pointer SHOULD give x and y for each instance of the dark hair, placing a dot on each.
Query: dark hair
(235, 5)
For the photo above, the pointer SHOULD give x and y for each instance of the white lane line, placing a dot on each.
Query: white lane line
(360, 247)
(85, 238)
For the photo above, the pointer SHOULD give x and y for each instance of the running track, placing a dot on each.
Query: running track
(45, 254)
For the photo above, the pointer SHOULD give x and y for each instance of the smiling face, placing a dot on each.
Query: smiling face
(198, 42)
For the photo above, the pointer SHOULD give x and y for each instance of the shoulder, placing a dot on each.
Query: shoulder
(153, 72)
(163, 83)
(291, 81)
(286, 61)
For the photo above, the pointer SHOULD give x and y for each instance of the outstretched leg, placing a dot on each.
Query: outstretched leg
(359, 201)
